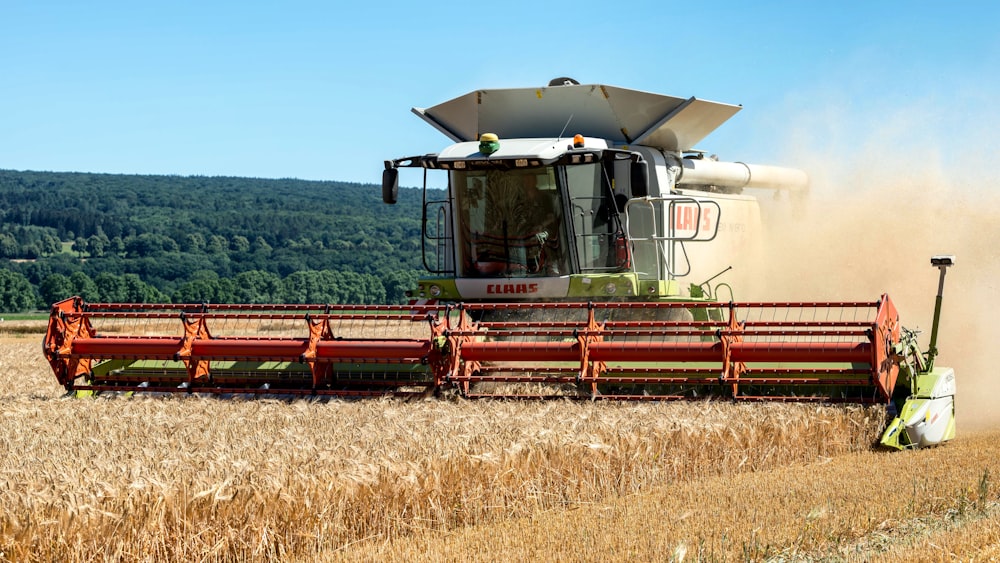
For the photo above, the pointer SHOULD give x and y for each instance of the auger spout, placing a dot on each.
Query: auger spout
(927, 416)
(942, 263)
(708, 172)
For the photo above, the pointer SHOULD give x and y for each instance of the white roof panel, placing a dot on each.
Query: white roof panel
(619, 115)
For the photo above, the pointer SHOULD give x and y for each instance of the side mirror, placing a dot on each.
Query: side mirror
(390, 185)
(639, 178)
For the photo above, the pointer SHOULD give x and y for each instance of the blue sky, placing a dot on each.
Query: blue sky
(319, 91)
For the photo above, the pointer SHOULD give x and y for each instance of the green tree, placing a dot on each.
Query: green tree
(260, 246)
(257, 286)
(55, 287)
(168, 244)
(117, 245)
(16, 292)
(32, 251)
(397, 283)
(138, 291)
(217, 244)
(111, 288)
(197, 291)
(80, 246)
(139, 246)
(206, 290)
(302, 287)
(8, 246)
(239, 243)
(51, 244)
(193, 242)
(373, 290)
(84, 286)
(98, 245)
(344, 287)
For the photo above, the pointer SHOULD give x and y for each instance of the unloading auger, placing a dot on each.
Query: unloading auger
(564, 266)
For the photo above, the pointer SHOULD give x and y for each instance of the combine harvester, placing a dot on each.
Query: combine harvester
(570, 253)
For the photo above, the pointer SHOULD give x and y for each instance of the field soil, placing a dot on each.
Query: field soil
(200, 479)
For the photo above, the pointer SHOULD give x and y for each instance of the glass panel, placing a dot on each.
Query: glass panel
(510, 223)
(595, 221)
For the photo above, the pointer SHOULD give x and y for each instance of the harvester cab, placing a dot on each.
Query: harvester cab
(576, 192)
(570, 250)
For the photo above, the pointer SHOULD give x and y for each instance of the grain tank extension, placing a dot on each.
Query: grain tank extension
(572, 255)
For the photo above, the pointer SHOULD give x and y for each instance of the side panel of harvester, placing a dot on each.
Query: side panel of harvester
(689, 237)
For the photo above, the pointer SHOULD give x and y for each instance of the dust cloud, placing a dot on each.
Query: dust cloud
(877, 210)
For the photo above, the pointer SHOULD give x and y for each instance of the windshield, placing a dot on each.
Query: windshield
(510, 223)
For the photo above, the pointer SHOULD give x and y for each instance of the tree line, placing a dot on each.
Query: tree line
(325, 286)
(134, 238)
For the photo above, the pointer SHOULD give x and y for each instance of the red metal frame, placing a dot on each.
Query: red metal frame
(460, 351)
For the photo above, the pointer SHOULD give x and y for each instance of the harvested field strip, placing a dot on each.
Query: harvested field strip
(929, 505)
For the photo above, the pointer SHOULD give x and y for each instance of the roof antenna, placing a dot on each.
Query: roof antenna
(564, 127)
(564, 81)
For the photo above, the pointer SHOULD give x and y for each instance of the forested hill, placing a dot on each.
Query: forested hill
(113, 237)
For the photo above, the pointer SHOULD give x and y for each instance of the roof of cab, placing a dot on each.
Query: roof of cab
(620, 115)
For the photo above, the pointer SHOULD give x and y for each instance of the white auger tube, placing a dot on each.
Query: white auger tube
(707, 172)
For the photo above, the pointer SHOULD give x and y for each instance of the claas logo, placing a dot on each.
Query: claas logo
(511, 288)
(686, 218)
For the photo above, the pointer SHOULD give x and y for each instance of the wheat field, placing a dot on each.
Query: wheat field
(197, 479)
